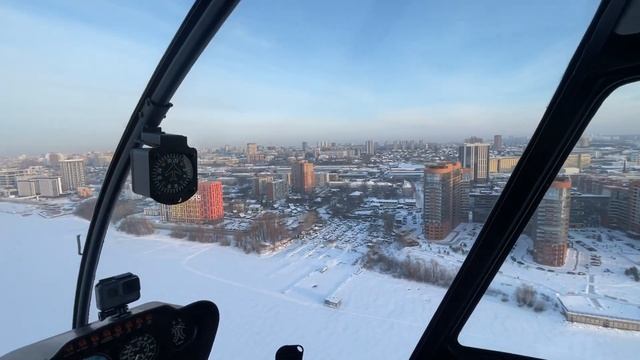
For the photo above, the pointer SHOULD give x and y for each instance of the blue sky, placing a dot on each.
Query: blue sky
(280, 72)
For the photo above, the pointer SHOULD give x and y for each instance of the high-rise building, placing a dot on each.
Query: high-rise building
(552, 217)
(461, 202)
(73, 174)
(634, 207)
(252, 148)
(205, 206)
(305, 146)
(619, 209)
(588, 183)
(303, 177)
(9, 177)
(475, 156)
(497, 142)
(446, 193)
(370, 147)
(588, 210)
(253, 156)
(276, 190)
(26, 187)
(49, 186)
(481, 204)
(260, 184)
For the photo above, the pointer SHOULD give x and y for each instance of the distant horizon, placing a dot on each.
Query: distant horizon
(294, 144)
(274, 75)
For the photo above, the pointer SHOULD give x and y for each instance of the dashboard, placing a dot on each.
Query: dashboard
(153, 331)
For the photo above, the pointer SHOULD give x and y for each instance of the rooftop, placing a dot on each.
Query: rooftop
(600, 306)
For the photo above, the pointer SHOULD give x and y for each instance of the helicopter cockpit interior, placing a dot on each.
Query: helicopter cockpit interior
(165, 167)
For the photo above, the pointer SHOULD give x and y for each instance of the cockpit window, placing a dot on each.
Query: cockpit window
(348, 153)
(571, 281)
(71, 74)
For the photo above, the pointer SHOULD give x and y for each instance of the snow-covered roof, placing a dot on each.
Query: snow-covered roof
(602, 307)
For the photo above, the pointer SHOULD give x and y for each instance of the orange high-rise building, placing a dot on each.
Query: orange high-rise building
(552, 224)
(303, 177)
(446, 193)
(205, 206)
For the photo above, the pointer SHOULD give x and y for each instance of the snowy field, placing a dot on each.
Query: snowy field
(270, 300)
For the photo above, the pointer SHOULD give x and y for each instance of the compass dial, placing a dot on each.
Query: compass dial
(171, 173)
(142, 347)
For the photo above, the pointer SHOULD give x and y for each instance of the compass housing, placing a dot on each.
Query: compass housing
(167, 173)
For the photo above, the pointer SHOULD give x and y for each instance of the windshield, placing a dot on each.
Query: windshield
(572, 277)
(346, 159)
(71, 74)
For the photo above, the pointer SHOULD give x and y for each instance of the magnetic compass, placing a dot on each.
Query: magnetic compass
(166, 172)
(171, 173)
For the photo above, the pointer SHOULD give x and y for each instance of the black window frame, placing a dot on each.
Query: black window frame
(603, 62)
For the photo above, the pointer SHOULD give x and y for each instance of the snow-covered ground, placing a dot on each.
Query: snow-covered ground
(270, 300)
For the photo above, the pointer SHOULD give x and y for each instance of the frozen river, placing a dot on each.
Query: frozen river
(266, 301)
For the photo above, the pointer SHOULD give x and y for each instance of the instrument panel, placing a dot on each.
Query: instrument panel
(153, 331)
(138, 337)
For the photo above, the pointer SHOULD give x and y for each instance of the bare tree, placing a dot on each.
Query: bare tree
(178, 232)
(526, 295)
(136, 226)
(431, 272)
(85, 208)
(123, 209)
(633, 272)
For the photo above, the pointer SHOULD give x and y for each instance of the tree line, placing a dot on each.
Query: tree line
(417, 269)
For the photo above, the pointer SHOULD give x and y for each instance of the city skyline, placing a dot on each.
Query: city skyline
(297, 144)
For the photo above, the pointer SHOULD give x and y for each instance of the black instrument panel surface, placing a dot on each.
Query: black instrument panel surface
(153, 331)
